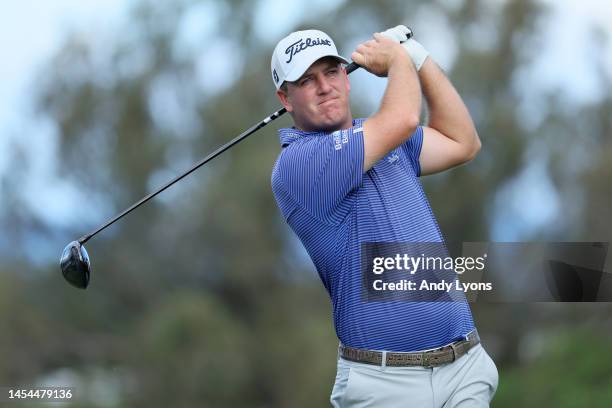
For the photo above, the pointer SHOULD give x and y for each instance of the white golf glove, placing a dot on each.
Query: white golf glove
(417, 52)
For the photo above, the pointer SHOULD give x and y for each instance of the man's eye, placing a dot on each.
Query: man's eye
(304, 81)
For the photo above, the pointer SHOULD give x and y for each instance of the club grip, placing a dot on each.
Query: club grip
(353, 65)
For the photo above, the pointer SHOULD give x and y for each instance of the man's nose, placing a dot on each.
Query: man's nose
(323, 83)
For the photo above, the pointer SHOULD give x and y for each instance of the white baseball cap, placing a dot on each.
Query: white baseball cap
(295, 53)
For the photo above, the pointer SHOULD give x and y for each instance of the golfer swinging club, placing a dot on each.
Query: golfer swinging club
(340, 181)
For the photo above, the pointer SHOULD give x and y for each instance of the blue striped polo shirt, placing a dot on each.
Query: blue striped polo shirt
(333, 206)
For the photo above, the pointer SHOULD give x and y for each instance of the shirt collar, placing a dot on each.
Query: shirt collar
(290, 135)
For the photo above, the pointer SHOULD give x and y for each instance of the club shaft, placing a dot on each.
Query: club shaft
(199, 164)
(349, 68)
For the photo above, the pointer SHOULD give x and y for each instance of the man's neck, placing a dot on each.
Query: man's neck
(346, 125)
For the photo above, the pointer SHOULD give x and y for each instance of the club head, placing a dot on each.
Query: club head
(75, 265)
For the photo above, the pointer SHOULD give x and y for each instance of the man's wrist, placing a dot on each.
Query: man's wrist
(417, 52)
(401, 59)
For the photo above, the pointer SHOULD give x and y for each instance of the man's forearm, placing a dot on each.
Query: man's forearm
(402, 96)
(398, 116)
(447, 112)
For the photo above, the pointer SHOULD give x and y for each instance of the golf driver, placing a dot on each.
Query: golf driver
(75, 263)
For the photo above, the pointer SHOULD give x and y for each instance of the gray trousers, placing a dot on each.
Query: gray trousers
(470, 381)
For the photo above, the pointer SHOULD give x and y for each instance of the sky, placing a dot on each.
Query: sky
(40, 28)
(30, 32)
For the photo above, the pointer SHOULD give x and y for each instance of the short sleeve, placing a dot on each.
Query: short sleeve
(412, 149)
(320, 171)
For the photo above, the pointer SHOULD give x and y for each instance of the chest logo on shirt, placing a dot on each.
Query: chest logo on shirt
(393, 158)
(340, 138)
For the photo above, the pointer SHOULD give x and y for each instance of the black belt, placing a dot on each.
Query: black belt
(432, 358)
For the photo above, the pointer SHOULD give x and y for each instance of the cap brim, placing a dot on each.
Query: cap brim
(299, 70)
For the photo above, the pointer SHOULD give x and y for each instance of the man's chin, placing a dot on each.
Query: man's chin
(329, 124)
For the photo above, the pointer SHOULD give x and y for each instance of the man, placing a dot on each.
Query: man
(341, 182)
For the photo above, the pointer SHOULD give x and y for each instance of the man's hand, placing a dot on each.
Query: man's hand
(378, 55)
(417, 52)
(398, 33)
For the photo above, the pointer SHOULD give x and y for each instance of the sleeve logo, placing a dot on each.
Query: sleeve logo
(340, 138)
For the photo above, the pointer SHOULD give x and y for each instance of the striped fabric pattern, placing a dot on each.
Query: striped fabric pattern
(333, 206)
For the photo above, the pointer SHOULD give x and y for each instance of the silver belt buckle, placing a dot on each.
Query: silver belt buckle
(425, 360)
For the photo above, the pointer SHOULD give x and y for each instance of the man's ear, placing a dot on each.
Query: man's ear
(348, 83)
(284, 98)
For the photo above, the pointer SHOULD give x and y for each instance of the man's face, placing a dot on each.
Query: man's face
(318, 100)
